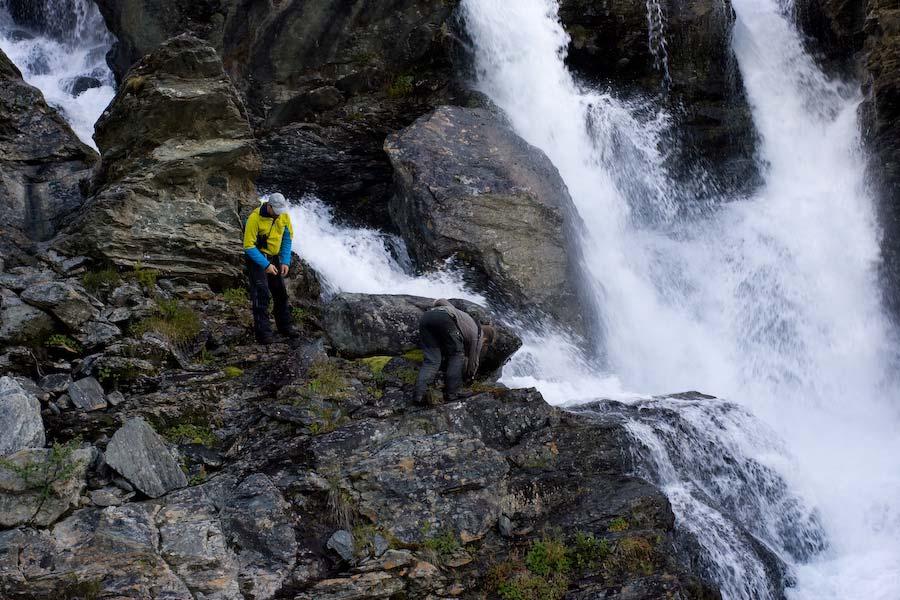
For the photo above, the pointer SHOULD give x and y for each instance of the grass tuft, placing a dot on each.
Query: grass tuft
(175, 321)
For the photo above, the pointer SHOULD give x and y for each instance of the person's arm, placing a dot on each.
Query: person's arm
(285, 253)
(251, 230)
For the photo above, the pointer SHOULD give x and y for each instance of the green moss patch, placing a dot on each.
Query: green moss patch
(376, 364)
(187, 433)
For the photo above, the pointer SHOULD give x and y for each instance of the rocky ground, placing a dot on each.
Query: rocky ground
(155, 454)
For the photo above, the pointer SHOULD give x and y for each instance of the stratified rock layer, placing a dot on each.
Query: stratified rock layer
(178, 168)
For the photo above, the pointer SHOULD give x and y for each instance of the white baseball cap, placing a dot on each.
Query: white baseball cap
(277, 203)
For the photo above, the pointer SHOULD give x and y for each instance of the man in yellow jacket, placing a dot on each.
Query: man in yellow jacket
(267, 246)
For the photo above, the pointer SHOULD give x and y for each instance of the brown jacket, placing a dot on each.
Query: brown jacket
(471, 332)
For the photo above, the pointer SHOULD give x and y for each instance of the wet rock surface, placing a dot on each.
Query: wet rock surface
(43, 161)
(469, 188)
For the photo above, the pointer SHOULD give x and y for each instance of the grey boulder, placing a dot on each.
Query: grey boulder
(469, 188)
(21, 323)
(87, 394)
(20, 418)
(139, 454)
(67, 301)
(38, 485)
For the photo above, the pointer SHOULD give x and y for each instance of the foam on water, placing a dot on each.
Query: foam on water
(74, 44)
(771, 301)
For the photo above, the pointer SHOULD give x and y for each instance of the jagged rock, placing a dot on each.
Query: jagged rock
(611, 41)
(138, 453)
(268, 550)
(20, 418)
(341, 541)
(368, 325)
(115, 398)
(323, 100)
(42, 163)
(178, 167)
(20, 278)
(112, 496)
(55, 383)
(469, 187)
(96, 334)
(87, 394)
(67, 301)
(21, 323)
(38, 485)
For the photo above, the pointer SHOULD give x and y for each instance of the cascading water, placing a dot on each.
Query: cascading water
(770, 301)
(60, 46)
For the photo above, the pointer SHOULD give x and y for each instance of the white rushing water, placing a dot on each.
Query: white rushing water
(69, 49)
(770, 301)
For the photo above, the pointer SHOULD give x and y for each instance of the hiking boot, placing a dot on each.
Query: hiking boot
(265, 339)
(290, 333)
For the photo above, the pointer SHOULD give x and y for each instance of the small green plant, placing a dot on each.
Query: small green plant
(443, 545)
(94, 281)
(407, 376)
(188, 433)
(236, 298)
(63, 342)
(199, 477)
(587, 552)
(376, 364)
(401, 86)
(326, 380)
(75, 589)
(232, 372)
(634, 555)
(547, 556)
(618, 525)
(146, 277)
(175, 321)
(340, 504)
(42, 475)
(416, 356)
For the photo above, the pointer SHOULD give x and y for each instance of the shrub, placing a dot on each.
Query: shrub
(326, 380)
(236, 298)
(173, 320)
(145, 277)
(618, 525)
(63, 342)
(94, 281)
(401, 86)
(187, 433)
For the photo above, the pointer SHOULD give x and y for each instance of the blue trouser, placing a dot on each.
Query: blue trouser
(441, 342)
(264, 287)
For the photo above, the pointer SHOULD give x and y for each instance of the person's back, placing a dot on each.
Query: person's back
(450, 336)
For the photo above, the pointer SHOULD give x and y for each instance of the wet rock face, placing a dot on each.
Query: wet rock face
(42, 162)
(695, 73)
(468, 187)
(325, 81)
(178, 168)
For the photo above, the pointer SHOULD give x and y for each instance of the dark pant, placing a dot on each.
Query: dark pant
(263, 287)
(441, 342)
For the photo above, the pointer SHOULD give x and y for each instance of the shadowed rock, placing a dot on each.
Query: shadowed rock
(42, 161)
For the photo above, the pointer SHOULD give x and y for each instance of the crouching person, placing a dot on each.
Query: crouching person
(452, 338)
(267, 247)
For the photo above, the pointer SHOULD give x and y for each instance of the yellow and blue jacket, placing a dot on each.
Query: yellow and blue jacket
(279, 232)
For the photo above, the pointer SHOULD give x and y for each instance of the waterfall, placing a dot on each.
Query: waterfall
(656, 39)
(770, 301)
(60, 46)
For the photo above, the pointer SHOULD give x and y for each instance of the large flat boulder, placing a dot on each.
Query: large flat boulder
(177, 169)
(368, 325)
(20, 418)
(42, 161)
(468, 187)
(140, 455)
(38, 485)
